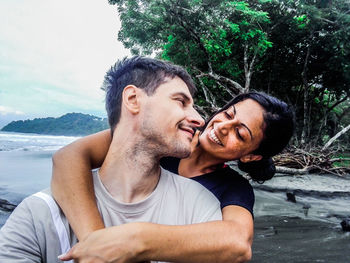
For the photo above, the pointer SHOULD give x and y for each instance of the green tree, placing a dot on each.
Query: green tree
(309, 62)
(219, 42)
(297, 50)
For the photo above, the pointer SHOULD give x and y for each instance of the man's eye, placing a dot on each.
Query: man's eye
(181, 101)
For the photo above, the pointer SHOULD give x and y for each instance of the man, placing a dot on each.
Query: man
(151, 115)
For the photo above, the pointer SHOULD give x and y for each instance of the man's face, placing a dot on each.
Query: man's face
(168, 119)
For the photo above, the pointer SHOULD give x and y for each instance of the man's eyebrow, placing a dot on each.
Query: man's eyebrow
(182, 94)
(250, 132)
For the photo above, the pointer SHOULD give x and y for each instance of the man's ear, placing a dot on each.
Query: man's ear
(131, 98)
(250, 158)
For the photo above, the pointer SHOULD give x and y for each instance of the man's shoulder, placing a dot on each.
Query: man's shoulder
(34, 199)
(35, 231)
(36, 206)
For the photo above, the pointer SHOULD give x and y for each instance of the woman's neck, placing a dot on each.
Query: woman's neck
(199, 162)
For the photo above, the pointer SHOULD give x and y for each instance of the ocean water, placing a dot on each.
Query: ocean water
(306, 231)
(13, 141)
(25, 165)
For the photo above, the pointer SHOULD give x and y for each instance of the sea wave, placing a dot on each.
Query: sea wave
(32, 142)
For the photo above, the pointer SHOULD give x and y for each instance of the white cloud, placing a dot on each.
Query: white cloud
(63, 47)
(7, 110)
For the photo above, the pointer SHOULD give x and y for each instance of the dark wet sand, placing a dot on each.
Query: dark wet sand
(287, 232)
(286, 239)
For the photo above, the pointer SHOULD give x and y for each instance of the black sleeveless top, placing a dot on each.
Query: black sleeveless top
(229, 187)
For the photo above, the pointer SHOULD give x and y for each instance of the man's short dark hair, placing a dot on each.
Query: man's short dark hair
(145, 73)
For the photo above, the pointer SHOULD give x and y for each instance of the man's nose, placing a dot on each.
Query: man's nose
(195, 119)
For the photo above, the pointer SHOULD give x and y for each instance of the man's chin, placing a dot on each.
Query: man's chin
(181, 153)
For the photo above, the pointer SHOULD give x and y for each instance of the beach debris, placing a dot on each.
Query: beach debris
(345, 224)
(306, 208)
(268, 231)
(6, 205)
(291, 197)
(311, 159)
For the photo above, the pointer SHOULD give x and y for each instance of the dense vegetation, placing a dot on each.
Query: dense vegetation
(298, 51)
(71, 124)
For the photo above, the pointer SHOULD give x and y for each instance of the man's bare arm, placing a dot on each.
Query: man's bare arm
(72, 184)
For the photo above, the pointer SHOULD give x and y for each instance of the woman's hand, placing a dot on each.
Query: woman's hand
(195, 140)
(114, 244)
(217, 241)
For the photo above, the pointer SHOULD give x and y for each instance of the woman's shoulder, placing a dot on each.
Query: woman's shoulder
(222, 176)
(229, 187)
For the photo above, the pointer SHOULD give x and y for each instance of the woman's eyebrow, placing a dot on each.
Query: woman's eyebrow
(251, 135)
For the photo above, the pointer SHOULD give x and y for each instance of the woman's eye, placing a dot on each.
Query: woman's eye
(227, 115)
(239, 135)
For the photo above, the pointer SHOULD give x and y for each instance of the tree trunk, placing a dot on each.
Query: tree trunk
(305, 115)
(306, 95)
(336, 137)
(248, 67)
(324, 120)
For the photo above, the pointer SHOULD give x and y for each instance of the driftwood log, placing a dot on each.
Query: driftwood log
(310, 160)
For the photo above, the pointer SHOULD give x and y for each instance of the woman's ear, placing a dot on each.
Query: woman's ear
(250, 158)
(131, 98)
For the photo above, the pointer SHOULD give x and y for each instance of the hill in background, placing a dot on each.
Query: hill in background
(71, 124)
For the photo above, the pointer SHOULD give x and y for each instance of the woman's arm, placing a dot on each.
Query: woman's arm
(218, 241)
(229, 240)
(71, 174)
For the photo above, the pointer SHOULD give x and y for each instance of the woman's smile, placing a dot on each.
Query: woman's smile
(213, 136)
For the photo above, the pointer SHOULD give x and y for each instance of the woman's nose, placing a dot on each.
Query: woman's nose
(226, 126)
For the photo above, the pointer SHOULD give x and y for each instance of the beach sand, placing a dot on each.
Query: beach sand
(297, 240)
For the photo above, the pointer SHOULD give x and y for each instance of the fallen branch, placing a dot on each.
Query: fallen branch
(336, 137)
(294, 171)
(339, 160)
(306, 161)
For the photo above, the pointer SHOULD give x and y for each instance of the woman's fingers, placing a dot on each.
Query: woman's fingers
(195, 140)
(67, 256)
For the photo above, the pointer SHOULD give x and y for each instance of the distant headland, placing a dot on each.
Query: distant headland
(70, 124)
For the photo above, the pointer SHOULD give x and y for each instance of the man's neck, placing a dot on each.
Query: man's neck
(130, 172)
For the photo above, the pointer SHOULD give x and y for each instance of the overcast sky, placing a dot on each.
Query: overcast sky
(53, 56)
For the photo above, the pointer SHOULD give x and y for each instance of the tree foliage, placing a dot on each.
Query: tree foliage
(219, 42)
(71, 124)
(298, 51)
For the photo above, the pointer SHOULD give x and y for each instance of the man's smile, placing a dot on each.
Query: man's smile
(187, 129)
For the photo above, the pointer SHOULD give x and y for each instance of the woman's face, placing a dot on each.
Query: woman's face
(234, 133)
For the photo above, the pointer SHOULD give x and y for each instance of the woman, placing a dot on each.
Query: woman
(251, 129)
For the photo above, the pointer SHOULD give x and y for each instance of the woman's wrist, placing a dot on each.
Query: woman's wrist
(134, 237)
(141, 241)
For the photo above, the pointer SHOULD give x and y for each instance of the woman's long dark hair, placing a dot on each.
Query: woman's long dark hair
(278, 129)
